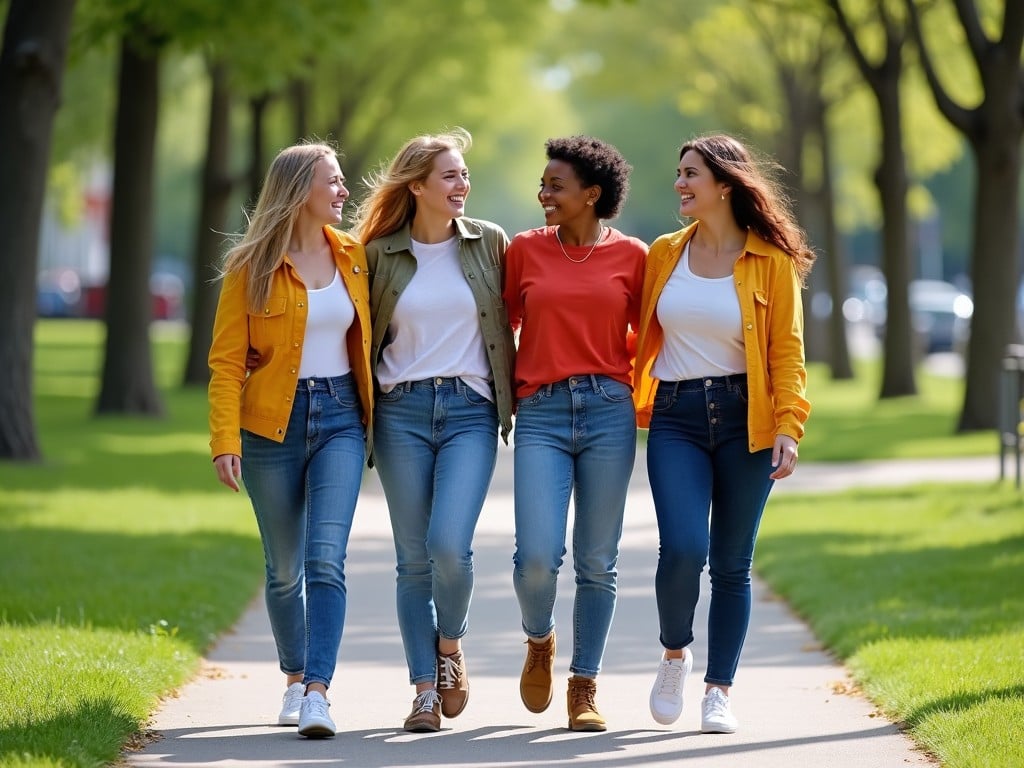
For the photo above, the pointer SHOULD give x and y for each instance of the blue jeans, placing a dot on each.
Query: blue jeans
(575, 436)
(304, 494)
(435, 443)
(699, 466)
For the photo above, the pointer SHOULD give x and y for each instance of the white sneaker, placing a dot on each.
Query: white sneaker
(667, 693)
(715, 715)
(314, 719)
(290, 704)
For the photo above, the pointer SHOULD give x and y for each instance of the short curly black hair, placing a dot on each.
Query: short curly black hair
(598, 163)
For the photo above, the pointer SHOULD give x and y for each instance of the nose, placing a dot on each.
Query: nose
(680, 183)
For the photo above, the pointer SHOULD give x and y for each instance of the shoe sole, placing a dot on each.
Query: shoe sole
(665, 719)
(292, 721)
(423, 728)
(587, 727)
(316, 732)
(535, 710)
(717, 730)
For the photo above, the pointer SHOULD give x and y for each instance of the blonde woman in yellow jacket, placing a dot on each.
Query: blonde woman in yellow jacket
(295, 292)
(720, 383)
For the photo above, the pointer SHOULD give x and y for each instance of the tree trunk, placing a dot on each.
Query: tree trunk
(128, 384)
(32, 60)
(891, 178)
(298, 97)
(994, 274)
(257, 161)
(835, 256)
(215, 197)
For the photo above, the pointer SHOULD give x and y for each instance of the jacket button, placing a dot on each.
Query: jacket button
(301, 305)
(295, 344)
(356, 269)
(749, 327)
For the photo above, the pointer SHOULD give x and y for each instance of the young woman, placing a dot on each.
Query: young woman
(573, 288)
(295, 290)
(442, 354)
(720, 381)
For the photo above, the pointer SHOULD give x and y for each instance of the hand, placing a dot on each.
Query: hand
(784, 456)
(229, 469)
(252, 360)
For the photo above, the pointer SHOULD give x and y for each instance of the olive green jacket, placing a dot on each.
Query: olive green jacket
(482, 253)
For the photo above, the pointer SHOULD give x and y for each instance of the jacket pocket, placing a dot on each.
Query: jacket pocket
(270, 327)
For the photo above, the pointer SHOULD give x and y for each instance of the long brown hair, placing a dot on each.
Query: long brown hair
(390, 203)
(757, 199)
(285, 190)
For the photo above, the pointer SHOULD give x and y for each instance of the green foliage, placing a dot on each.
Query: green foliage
(123, 559)
(918, 590)
(849, 423)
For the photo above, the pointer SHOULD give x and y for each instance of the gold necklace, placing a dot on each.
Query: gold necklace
(570, 258)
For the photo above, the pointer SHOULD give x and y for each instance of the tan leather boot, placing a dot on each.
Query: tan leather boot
(535, 687)
(583, 714)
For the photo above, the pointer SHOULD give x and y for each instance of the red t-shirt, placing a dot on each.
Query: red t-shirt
(574, 318)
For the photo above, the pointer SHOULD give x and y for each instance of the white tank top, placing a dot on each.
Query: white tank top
(331, 314)
(703, 326)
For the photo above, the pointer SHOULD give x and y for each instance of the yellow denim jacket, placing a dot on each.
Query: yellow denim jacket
(768, 289)
(261, 401)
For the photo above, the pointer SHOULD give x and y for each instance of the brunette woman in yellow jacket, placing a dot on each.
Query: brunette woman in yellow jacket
(295, 291)
(720, 382)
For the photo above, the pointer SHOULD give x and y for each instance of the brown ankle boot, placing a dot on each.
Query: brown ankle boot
(583, 714)
(535, 688)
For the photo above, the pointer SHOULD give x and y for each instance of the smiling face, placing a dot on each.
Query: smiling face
(327, 193)
(562, 194)
(699, 191)
(443, 193)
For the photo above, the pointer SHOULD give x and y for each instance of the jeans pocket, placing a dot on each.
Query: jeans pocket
(663, 401)
(615, 391)
(472, 397)
(396, 394)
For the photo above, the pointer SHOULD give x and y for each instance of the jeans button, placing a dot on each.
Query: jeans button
(707, 382)
(439, 381)
(312, 384)
(572, 381)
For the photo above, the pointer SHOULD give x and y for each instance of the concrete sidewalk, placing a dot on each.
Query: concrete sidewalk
(794, 702)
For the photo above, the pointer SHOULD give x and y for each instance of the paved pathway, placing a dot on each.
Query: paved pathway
(793, 700)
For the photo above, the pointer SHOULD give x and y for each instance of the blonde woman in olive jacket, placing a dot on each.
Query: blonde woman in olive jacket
(295, 292)
(720, 382)
(442, 357)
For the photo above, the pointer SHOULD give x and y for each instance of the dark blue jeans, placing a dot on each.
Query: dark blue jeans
(700, 470)
(304, 494)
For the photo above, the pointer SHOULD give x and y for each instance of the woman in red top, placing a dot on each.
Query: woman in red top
(572, 288)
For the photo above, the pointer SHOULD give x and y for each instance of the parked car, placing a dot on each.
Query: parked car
(58, 293)
(940, 314)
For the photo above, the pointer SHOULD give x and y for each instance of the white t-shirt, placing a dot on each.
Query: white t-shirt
(703, 326)
(331, 314)
(434, 329)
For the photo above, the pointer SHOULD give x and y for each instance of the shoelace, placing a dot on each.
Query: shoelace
(717, 704)
(425, 701)
(583, 696)
(317, 706)
(450, 672)
(539, 654)
(670, 679)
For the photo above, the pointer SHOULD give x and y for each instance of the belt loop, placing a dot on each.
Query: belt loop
(594, 385)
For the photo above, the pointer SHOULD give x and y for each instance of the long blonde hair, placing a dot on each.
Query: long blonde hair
(390, 203)
(285, 190)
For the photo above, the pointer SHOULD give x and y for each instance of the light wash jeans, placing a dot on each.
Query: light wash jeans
(304, 494)
(435, 446)
(698, 464)
(577, 436)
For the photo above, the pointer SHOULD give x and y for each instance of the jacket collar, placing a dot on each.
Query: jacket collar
(401, 239)
(755, 244)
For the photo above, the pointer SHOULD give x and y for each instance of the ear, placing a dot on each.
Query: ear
(593, 194)
(416, 187)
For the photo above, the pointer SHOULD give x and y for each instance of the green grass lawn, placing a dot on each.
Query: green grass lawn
(124, 559)
(921, 592)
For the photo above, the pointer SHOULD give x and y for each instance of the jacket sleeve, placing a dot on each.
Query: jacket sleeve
(227, 366)
(787, 371)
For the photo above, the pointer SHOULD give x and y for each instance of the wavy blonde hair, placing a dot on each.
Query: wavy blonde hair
(757, 200)
(262, 248)
(390, 203)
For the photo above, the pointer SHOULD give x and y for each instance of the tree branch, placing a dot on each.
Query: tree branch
(869, 72)
(955, 113)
